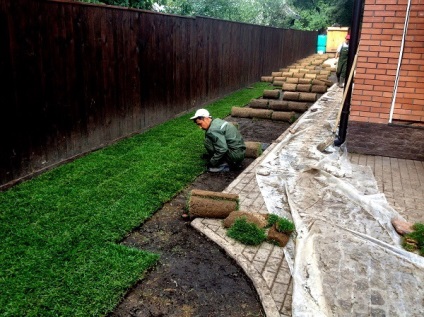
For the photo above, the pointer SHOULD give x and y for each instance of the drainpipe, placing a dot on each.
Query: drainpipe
(353, 47)
(405, 29)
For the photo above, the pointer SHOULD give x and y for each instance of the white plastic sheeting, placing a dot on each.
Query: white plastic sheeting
(346, 258)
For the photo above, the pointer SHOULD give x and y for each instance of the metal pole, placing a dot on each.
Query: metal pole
(353, 47)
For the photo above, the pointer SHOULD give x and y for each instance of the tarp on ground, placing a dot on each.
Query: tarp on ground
(346, 258)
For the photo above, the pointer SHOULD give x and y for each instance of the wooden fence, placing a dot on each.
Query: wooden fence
(77, 77)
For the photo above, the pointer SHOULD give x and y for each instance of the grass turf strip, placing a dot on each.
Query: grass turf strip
(59, 231)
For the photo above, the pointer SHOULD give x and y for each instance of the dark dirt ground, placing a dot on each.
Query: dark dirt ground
(194, 277)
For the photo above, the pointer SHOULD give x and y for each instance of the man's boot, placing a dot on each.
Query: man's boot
(342, 82)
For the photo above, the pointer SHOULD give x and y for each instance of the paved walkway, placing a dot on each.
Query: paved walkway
(402, 182)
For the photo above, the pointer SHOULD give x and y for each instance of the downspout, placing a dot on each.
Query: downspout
(353, 47)
(405, 29)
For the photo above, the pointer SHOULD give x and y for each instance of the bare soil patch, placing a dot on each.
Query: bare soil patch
(194, 277)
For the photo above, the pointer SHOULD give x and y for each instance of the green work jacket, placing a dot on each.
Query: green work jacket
(224, 142)
(342, 64)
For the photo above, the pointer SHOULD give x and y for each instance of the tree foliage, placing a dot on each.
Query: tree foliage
(297, 14)
(138, 4)
(319, 14)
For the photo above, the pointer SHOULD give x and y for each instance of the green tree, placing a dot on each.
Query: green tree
(138, 4)
(277, 13)
(319, 14)
(298, 14)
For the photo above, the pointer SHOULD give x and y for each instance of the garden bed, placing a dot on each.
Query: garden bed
(194, 277)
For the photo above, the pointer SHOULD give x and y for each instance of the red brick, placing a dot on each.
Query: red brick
(390, 43)
(393, 61)
(408, 118)
(365, 76)
(359, 118)
(410, 67)
(379, 25)
(378, 120)
(401, 99)
(377, 60)
(361, 87)
(373, 19)
(414, 73)
(353, 114)
(395, 49)
(383, 100)
(418, 102)
(385, 88)
(414, 32)
(362, 98)
(406, 90)
(405, 80)
(386, 2)
(363, 53)
(417, 26)
(412, 56)
(398, 26)
(388, 66)
(413, 108)
(416, 62)
(384, 14)
(374, 93)
(417, 38)
(419, 87)
(372, 114)
(359, 80)
(360, 70)
(380, 7)
(371, 42)
(391, 19)
(364, 61)
(377, 49)
(388, 54)
(367, 14)
(376, 71)
(388, 37)
(391, 72)
(418, 113)
(381, 110)
(366, 93)
(392, 31)
(403, 111)
(379, 81)
(397, 7)
(361, 108)
(371, 31)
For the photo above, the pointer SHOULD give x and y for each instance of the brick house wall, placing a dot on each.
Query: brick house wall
(396, 128)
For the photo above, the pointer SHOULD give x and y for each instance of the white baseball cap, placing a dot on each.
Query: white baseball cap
(201, 113)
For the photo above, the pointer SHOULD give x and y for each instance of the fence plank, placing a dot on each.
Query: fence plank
(80, 76)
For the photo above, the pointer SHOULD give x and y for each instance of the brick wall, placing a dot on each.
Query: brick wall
(379, 48)
(405, 142)
(370, 129)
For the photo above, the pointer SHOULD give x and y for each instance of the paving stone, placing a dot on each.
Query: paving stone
(401, 181)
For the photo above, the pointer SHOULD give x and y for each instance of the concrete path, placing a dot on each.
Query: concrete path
(402, 182)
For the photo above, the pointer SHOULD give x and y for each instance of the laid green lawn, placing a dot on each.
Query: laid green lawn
(59, 232)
